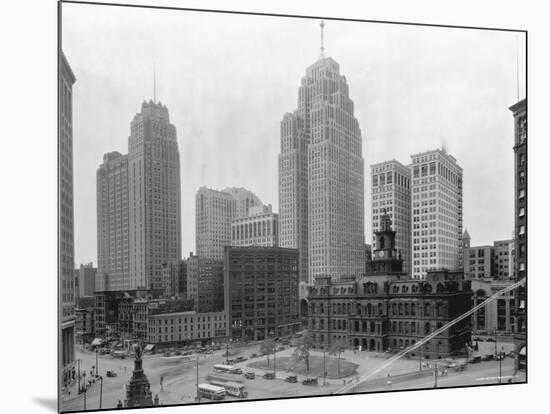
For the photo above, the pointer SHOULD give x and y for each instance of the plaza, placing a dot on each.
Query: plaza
(179, 374)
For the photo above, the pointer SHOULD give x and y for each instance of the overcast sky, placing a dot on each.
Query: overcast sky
(228, 79)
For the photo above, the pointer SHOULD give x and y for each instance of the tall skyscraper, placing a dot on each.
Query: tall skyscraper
(65, 247)
(113, 223)
(321, 151)
(214, 212)
(139, 205)
(391, 193)
(436, 212)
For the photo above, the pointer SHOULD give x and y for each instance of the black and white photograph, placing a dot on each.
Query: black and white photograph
(257, 206)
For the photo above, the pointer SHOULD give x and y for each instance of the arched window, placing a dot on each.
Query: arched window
(382, 242)
(400, 309)
(406, 309)
(427, 309)
(394, 326)
(413, 309)
(356, 326)
(372, 327)
(394, 309)
(369, 309)
(427, 328)
(358, 307)
(413, 327)
(380, 309)
(400, 327)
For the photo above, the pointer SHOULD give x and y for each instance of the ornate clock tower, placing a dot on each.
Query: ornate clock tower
(385, 259)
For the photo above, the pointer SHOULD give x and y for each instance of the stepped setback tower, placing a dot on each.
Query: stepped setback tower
(321, 176)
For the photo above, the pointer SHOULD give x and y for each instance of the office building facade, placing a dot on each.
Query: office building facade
(391, 194)
(139, 205)
(519, 111)
(65, 248)
(259, 228)
(262, 299)
(321, 151)
(206, 284)
(214, 212)
(436, 212)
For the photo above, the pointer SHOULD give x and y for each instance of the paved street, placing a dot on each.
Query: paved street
(179, 383)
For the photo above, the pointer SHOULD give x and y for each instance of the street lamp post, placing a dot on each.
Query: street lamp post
(198, 393)
(96, 367)
(435, 375)
(500, 358)
(324, 368)
(274, 355)
(101, 392)
(78, 374)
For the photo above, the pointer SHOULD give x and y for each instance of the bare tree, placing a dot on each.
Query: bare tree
(337, 348)
(268, 347)
(303, 345)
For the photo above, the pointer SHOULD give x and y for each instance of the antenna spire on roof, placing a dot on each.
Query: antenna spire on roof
(322, 55)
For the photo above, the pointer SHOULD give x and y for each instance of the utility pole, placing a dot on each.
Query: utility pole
(85, 390)
(78, 375)
(198, 394)
(96, 367)
(420, 358)
(435, 375)
(324, 368)
(101, 392)
(500, 358)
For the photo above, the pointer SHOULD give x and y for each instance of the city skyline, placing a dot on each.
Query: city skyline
(385, 117)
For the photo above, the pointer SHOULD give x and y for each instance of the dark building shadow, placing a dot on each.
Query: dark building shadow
(47, 402)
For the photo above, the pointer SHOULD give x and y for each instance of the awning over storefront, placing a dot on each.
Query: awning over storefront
(149, 347)
(523, 351)
(97, 342)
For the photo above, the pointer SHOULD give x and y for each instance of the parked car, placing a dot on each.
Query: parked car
(241, 359)
(310, 381)
(167, 354)
(490, 340)
(269, 375)
(111, 374)
(291, 378)
(178, 353)
(475, 360)
(500, 356)
(230, 361)
(250, 375)
(489, 357)
(254, 355)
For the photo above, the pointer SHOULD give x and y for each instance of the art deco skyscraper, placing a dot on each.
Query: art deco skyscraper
(323, 127)
(65, 248)
(436, 212)
(139, 205)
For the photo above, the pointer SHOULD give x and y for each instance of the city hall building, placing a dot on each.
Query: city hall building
(385, 309)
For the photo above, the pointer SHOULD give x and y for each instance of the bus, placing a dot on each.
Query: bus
(211, 392)
(227, 368)
(231, 388)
